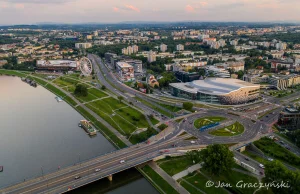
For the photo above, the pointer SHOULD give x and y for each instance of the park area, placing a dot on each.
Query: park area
(232, 130)
(201, 122)
(119, 115)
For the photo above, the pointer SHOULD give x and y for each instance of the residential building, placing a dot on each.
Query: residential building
(281, 46)
(163, 48)
(83, 45)
(151, 56)
(180, 47)
(152, 81)
(217, 72)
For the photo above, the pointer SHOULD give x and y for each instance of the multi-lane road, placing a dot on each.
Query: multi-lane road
(94, 169)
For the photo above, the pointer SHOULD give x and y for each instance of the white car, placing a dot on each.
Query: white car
(261, 165)
(122, 161)
(192, 142)
(97, 170)
(270, 159)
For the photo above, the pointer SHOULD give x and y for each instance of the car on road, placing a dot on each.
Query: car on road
(97, 170)
(261, 173)
(77, 177)
(246, 158)
(192, 142)
(122, 161)
(281, 142)
(261, 165)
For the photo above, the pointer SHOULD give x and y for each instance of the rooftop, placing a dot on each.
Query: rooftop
(215, 86)
(123, 64)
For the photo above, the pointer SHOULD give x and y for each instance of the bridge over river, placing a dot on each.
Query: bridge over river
(109, 164)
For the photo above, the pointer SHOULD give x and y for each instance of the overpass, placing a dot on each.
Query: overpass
(64, 180)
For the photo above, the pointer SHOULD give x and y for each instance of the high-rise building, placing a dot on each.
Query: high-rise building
(180, 47)
(289, 119)
(281, 46)
(163, 47)
(83, 45)
(151, 56)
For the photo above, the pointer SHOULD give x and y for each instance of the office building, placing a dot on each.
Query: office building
(125, 71)
(289, 119)
(109, 56)
(186, 76)
(217, 72)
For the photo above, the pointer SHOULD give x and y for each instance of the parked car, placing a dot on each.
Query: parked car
(261, 173)
(261, 165)
(270, 159)
(192, 142)
(77, 177)
(97, 170)
(246, 158)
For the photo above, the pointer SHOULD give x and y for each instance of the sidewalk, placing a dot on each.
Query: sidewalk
(168, 178)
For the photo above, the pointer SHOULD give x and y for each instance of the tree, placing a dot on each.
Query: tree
(188, 106)
(103, 87)
(217, 159)
(120, 98)
(277, 172)
(81, 90)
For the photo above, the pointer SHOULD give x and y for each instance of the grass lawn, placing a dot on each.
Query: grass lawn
(87, 98)
(119, 115)
(97, 93)
(154, 107)
(158, 182)
(59, 93)
(37, 80)
(233, 178)
(104, 130)
(175, 165)
(61, 82)
(197, 180)
(11, 72)
(153, 120)
(207, 120)
(170, 108)
(232, 130)
(278, 152)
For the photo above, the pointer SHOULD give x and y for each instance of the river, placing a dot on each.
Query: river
(38, 135)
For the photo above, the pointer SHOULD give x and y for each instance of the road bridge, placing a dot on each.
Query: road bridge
(92, 170)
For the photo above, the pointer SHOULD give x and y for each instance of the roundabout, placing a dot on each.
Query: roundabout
(230, 128)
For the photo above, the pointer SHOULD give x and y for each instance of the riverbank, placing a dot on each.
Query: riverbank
(114, 138)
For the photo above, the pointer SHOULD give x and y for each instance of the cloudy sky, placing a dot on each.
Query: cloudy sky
(80, 11)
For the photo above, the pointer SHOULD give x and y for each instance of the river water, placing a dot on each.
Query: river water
(38, 135)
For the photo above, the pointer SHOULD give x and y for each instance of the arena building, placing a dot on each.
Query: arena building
(217, 91)
(56, 65)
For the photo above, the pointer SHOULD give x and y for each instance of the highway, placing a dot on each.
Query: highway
(64, 179)
(106, 77)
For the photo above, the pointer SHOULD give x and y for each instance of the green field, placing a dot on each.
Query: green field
(119, 115)
(175, 165)
(97, 93)
(207, 120)
(232, 130)
(272, 149)
(233, 178)
(14, 73)
(158, 182)
(104, 130)
(198, 181)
